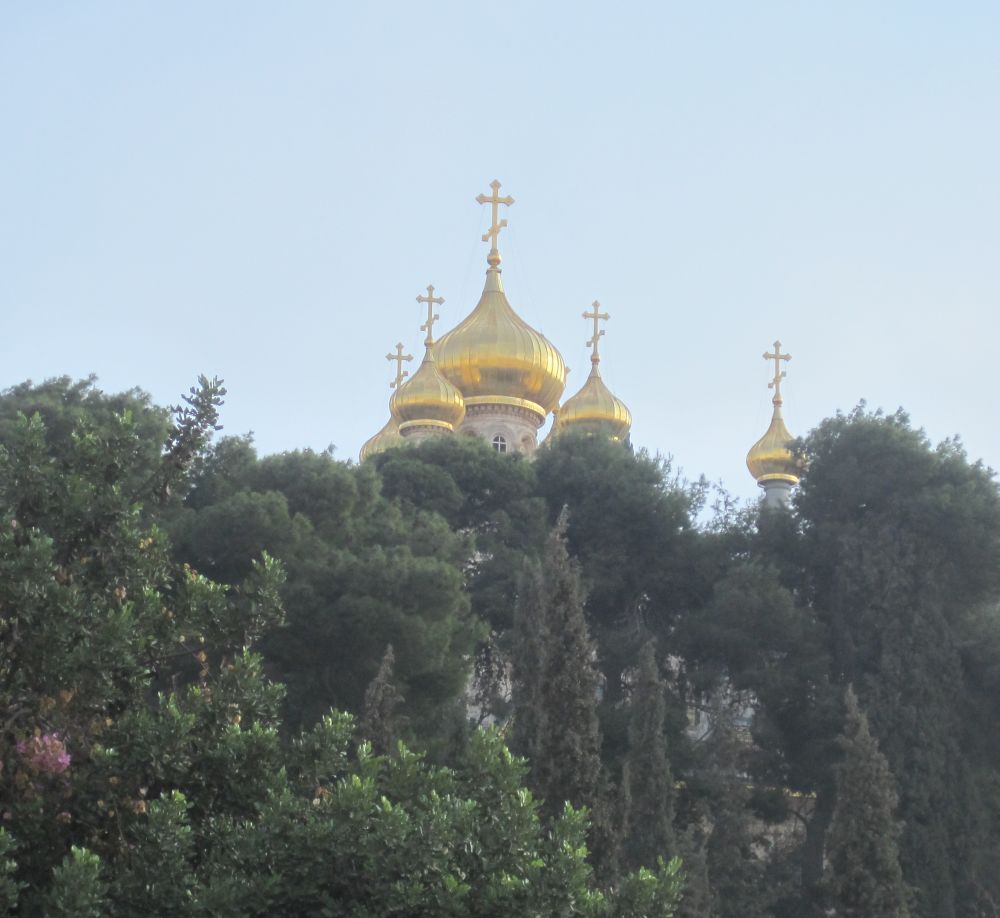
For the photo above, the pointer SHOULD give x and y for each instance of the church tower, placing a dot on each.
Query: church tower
(770, 459)
(594, 410)
(510, 376)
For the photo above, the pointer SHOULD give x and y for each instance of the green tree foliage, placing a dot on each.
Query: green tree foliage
(363, 572)
(647, 780)
(77, 890)
(379, 720)
(65, 406)
(646, 568)
(529, 646)
(120, 800)
(490, 496)
(567, 759)
(721, 821)
(899, 554)
(863, 873)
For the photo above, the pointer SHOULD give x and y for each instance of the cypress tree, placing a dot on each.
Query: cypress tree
(647, 780)
(567, 746)
(379, 721)
(529, 640)
(863, 872)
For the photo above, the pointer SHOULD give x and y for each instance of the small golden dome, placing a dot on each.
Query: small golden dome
(595, 409)
(388, 437)
(494, 357)
(769, 458)
(428, 399)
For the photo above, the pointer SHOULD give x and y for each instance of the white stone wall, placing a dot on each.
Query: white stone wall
(517, 426)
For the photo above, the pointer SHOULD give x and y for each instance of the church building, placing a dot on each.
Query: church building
(495, 377)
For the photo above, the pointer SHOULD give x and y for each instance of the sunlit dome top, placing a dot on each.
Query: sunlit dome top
(595, 409)
(493, 356)
(428, 399)
(770, 458)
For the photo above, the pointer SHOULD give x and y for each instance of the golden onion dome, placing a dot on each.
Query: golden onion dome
(770, 458)
(427, 399)
(595, 409)
(387, 438)
(494, 357)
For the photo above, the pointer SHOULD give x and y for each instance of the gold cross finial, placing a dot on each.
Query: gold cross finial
(779, 374)
(597, 316)
(495, 225)
(400, 358)
(432, 316)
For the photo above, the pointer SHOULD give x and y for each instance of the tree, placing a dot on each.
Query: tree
(120, 800)
(567, 746)
(646, 567)
(379, 720)
(362, 571)
(528, 649)
(647, 780)
(863, 873)
(899, 548)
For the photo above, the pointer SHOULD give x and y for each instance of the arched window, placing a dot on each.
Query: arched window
(499, 444)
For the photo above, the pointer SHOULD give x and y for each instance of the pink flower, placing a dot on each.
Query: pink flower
(45, 753)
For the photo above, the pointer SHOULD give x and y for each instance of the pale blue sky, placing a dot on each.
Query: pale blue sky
(260, 190)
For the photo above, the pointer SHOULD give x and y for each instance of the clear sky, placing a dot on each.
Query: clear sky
(259, 190)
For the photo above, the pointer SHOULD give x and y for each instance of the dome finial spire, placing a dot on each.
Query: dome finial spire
(400, 358)
(597, 316)
(494, 200)
(779, 374)
(432, 316)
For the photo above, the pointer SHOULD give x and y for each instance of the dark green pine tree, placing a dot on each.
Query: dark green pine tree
(735, 870)
(647, 780)
(528, 647)
(379, 720)
(863, 874)
(567, 747)
(693, 851)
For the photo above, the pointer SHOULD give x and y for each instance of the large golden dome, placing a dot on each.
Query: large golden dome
(428, 399)
(494, 357)
(388, 437)
(770, 458)
(595, 409)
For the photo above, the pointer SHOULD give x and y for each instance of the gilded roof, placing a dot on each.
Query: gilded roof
(427, 399)
(388, 437)
(770, 458)
(595, 409)
(494, 357)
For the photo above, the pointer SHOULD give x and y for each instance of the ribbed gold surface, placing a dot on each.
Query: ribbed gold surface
(769, 458)
(494, 354)
(386, 438)
(428, 396)
(595, 409)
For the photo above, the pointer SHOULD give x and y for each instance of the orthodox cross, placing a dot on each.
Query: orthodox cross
(399, 357)
(597, 316)
(779, 374)
(490, 236)
(432, 316)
